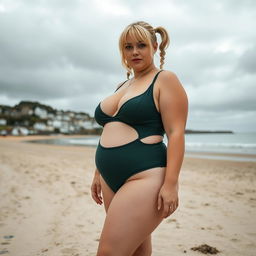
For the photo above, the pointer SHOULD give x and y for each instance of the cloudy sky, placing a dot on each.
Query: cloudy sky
(64, 53)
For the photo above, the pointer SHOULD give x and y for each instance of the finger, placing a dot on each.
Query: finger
(98, 201)
(99, 193)
(171, 210)
(169, 213)
(94, 197)
(166, 210)
(94, 194)
(159, 202)
(99, 190)
(176, 204)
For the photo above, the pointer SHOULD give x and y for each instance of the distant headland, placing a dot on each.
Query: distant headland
(207, 131)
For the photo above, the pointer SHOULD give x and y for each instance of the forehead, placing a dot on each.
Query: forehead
(133, 42)
(133, 39)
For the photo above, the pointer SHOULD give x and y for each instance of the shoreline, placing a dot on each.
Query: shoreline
(188, 154)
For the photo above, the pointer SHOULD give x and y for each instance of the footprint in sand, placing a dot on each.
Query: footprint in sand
(220, 235)
(191, 207)
(79, 225)
(217, 227)
(234, 240)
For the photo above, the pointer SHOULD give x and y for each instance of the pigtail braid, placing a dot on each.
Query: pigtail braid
(164, 44)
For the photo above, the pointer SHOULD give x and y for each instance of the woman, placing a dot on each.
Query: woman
(135, 171)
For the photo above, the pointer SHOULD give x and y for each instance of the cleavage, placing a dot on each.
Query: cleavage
(121, 101)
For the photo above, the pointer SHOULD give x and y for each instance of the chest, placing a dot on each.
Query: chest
(133, 100)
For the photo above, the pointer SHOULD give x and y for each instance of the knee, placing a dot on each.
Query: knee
(143, 250)
(108, 250)
(105, 250)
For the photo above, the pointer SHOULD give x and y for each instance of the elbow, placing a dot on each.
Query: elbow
(175, 133)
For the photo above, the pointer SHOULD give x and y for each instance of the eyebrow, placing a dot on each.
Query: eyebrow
(138, 42)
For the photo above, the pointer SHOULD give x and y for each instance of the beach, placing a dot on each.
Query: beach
(46, 207)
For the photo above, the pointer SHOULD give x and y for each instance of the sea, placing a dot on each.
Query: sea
(238, 146)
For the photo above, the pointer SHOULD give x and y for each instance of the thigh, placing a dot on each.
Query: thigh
(107, 193)
(132, 214)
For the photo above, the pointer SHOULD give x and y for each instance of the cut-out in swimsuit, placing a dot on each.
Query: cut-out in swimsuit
(116, 164)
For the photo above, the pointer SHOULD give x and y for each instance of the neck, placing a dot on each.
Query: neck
(138, 74)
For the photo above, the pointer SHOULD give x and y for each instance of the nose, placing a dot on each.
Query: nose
(135, 50)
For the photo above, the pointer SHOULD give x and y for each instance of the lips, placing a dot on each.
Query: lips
(136, 59)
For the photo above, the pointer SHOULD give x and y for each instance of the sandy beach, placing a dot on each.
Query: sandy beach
(46, 207)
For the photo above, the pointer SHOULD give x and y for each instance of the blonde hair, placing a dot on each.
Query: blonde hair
(141, 30)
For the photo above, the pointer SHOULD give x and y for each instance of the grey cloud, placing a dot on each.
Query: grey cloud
(247, 62)
(65, 53)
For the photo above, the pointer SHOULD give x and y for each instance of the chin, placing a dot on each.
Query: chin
(138, 67)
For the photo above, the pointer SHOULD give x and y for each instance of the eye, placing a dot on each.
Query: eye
(128, 47)
(141, 45)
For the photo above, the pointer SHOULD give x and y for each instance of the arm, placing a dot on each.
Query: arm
(173, 104)
(96, 187)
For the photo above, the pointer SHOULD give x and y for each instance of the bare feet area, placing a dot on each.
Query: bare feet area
(46, 207)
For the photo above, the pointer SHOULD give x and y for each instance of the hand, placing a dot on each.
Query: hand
(96, 188)
(168, 199)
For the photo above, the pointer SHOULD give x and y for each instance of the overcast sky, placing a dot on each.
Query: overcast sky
(64, 53)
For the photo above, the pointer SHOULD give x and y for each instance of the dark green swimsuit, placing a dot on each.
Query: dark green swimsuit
(117, 164)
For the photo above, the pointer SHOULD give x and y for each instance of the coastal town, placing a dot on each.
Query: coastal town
(34, 118)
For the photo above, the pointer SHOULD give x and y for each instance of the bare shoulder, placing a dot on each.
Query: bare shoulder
(168, 77)
(173, 103)
(169, 82)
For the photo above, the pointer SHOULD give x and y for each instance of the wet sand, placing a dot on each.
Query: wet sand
(46, 207)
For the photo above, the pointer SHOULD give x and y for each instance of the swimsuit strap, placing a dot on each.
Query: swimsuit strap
(152, 82)
(156, 76)
(120, 85)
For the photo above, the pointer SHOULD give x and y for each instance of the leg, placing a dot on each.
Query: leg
(145, 247)
(132, 215)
